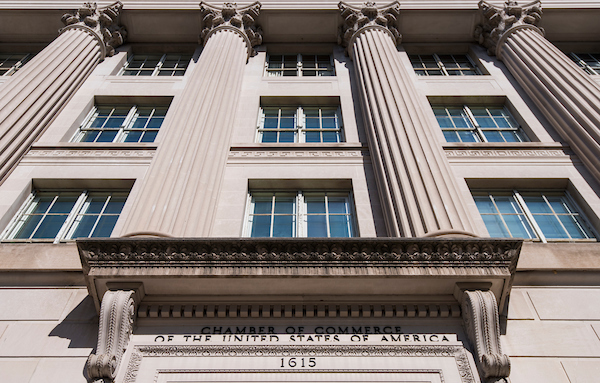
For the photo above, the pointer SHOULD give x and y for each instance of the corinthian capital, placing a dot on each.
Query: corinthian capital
(102, 23)
(242, 20)
(497, 21)
(369, 15)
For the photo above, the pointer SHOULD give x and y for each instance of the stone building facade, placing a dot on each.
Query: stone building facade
(300, 191)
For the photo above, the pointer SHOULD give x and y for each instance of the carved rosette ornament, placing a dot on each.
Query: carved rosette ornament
(102, 23)
(480, 317)
(500, 22)
(368, 16)
(241, 20)
(117, 315)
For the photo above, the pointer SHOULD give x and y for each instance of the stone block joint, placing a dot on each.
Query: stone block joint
(101, 23)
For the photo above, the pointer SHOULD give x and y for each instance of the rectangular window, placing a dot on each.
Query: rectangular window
(300, 124)
(478, 124)
(300, 65)
(547, 216)
(10, 63)
(121, 124)
(443, 65)
(156, 65)
(58, 215)
(300, 214)
(588, 61)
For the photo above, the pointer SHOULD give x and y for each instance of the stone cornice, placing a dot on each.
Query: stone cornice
(347, 252)
(230, 17)
(101, 23)
(500, 22)
(359, 19)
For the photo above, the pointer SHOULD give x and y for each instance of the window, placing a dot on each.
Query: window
(443, 65)
(478, 124)
(589, 62)
(300, 214)
(121, 124)
(9, 64)
(57, 215)
(531, 215)
(300, 124)
(156, 65)
(300, 65)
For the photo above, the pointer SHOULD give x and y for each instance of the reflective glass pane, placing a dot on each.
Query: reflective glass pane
(261, 226)
(149, 136)
(573, 227)
(493, 136)
(269, 137)
(93, 205)
(550, 226)
(537, 204)
(262, 206)
(312, 123)
(133, 136)
(115, 205)
(495, 227)
(63, 204)
(105, 226)
(42, 204)
(286, 137)
(451, 136)
(339, 226)
(518, 226)
(331, 137)
(50, 226)
(271, 122)
(287, 123)
(84, 227)
(312, 137)
(98, 122)
(284, 205)
(468, 136)
(329, 123)
(140, 122)
(89, 136)
(283, 226)
(485, 205)
(511, 136)
(107, 136)
(507, 204)
(315, 205)
(558, 205)
(337, 205)
(317, 226)
(28, 227)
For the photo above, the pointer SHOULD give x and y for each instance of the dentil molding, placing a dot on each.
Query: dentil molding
(500, 22)
(359, 19)
(102, 23)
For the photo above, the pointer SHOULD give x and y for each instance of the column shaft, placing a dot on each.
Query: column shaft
(418, 192)
(179, 195)
(567, 96)
(31, 99)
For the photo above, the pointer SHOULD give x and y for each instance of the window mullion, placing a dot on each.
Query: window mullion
(530, 216)
(301, 215)
(440, 64)
(476, 126)
(491, 197)
(11, 228)
(327, 216)
(300, 125)
(273, 199)
(298, 64)
(71, 217)
(159, 65)
(127, 124)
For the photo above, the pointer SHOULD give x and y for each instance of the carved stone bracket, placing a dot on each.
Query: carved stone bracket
(500, 22)
(117, 315)
(102, 23)
(481, 321)
(241, 20)
(368, 16)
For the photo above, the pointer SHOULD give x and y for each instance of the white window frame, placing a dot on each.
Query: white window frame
(24, 58)
(157, 68)
(478, 130)
(300, 228)
(442, 67)
(300, 124)
(70, 224)
(537, 234)
(125, 128)
(299, 69)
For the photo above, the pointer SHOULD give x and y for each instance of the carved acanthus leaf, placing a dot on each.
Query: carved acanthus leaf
(104, 22)
(117, 315)
(480, 318)
(369, 14)
(498, 20)
(242, 19)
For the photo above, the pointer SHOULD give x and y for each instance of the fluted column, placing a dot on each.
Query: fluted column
(418, 192)
(34, 95)
(567, 96)
(180, 192)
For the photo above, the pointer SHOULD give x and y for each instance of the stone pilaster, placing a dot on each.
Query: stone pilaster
(35, 94)
(566, 95)
(179, 194)
(418, 192)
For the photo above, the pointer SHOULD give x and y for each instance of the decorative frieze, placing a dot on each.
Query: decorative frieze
(498, 22)
(102, 23)
(505, 153)
(358, 19)
(242, 20)
(72, 156)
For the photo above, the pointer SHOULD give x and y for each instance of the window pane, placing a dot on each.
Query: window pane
(261, 226)
(286, 137)
(518, 226)
(550, 226)
(269, 137)
(115, 205)
(537, 204)
(331, 137)
(573, 227)
(317, 226)
(495, 227)
(63, 204)
(50, 226)
(312, 137)
(283, 226)
(262, 206)
(28, 227)
(105, 226)
(134, 136)
(339, 225)
(284, 205)
(315, 206)
(84, 226)
(93, 205)
(337, 205)
(485, 205)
